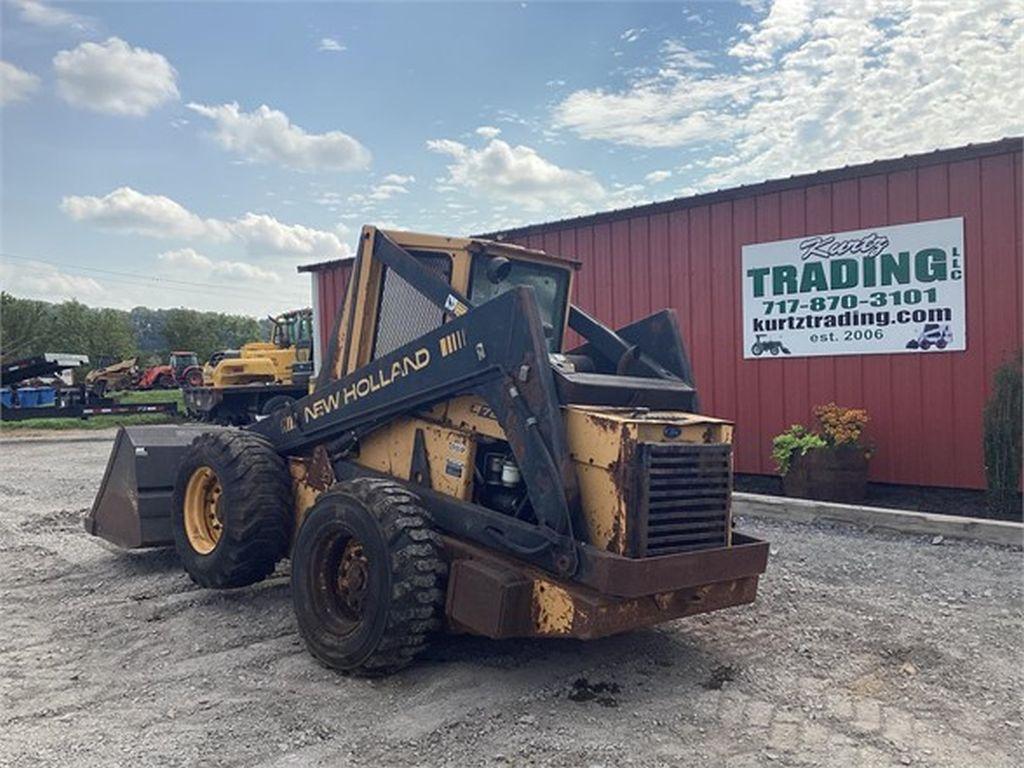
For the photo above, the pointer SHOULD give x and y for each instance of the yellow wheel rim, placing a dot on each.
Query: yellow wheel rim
(203, 521)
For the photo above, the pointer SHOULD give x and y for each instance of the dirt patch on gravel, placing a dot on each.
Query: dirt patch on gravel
(863, 649)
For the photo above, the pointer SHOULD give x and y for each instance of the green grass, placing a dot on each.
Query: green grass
(93, 422)
(151, 396)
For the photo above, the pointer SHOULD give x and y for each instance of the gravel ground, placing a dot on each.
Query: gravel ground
(863, 649)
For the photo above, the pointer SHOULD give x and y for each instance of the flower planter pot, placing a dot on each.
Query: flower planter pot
(838, 473)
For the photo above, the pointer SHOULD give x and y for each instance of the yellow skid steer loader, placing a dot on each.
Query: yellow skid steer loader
(455, 468)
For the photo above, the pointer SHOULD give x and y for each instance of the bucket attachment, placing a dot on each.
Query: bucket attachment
(133, 506)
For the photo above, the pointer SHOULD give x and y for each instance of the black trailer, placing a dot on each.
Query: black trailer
(48, 364)
(83, 409)
(242, 404)
(75, 402)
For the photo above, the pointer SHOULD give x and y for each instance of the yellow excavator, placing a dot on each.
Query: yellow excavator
(456, 467)
(241, 385)
(285, 358)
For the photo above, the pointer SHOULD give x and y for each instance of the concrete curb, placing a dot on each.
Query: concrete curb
(1001, 532)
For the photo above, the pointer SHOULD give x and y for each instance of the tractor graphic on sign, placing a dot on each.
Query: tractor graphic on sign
(773, 347)
(932, 335)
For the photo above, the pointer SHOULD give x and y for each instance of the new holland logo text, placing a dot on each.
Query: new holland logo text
(371, 382)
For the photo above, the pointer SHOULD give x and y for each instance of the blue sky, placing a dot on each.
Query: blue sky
(193, 154)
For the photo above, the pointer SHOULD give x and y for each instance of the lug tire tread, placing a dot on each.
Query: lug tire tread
(418, 569)
(258, 528)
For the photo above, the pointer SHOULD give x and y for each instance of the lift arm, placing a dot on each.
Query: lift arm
(497, 351)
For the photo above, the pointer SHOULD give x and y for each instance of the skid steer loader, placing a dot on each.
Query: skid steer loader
(454, 469)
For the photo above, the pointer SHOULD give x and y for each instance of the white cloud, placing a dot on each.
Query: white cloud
(197, 264)
(115, 78)
(377, 193)
(656, 177)
(632, 35)
(488, 131)
(127, 210)
(16, 84)
(679, 57)
(391, 185)
(329, 200)
(517, 174)
(786, 23)
(234, 287)
(43, 15)
(263, 234)
(822, 83)
(48, 281)
(330, 44)
(267, 135)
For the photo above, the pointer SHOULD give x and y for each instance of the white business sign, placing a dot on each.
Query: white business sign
(869, 291)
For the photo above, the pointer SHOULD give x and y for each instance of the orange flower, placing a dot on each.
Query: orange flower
(840, 425)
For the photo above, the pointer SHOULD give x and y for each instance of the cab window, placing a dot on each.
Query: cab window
(550, 284)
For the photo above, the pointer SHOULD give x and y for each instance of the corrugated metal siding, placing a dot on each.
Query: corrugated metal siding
(926, 410)
(329, 285)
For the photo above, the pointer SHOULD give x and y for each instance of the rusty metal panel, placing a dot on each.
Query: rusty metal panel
(686, 254)
(492, 595)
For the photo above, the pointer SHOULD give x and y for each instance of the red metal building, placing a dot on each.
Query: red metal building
(926, 409)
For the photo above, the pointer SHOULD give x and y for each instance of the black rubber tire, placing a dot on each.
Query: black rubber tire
(164, 381)
(405, 594)
(256, 509)
(192, 377)
(277, 401)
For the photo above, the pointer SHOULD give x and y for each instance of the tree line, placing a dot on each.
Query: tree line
(31, 327)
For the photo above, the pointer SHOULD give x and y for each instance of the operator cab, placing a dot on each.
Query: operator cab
(179, 361)
(640, 365)
(492, 275)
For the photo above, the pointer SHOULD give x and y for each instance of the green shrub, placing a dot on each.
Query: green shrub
(796, 438)
(1002, 424)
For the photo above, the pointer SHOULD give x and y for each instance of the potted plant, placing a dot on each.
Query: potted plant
(830, 463)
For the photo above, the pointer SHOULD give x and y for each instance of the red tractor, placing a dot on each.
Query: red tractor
(182, 371)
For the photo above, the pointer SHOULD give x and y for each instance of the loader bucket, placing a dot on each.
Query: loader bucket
(133, 506)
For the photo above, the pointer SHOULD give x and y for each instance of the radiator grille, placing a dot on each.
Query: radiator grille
(685, 496)
(404, 313)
